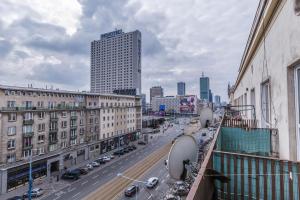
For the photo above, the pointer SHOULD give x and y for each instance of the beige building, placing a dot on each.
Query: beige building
(60, 128)
(269, 73)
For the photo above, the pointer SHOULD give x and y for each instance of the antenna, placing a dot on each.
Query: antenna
(206, 116)
(182, 154)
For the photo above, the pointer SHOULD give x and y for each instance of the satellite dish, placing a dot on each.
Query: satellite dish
(184, 150)
(206, 114)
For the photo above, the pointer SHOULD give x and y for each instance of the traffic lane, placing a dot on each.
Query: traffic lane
(85, 185)
(158, 170)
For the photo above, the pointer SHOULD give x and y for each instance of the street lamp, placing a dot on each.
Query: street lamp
(134, 180)
(30, 174)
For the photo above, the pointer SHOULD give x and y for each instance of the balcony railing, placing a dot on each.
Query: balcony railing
(27, 147)
(72, 137)
(28, 121)
(243, 163)
(14, 109)
(28, 134)
(53, 130)
(73, 117)
(53, 141)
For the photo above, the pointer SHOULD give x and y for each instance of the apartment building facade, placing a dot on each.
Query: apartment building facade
(269, 73)
(59, 129)
(116, 62)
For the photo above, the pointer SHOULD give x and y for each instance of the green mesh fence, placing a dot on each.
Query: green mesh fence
(256, 177)
(239, 140)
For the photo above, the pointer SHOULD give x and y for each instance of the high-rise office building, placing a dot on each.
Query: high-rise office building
(116, 62)
(143, 99)
(156, 91)
(204, 88)
(181, 88)
(217, 99)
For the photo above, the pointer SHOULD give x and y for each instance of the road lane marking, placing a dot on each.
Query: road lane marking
(163, 181)
(76, 194)
(96, 183)
(156, 188)
(71, 189)
(95, 176)
(104, 171)
(150, 196)
(84, 183)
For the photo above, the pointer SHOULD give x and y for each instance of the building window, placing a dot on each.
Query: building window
(40, 151)
(28, 116)
(265, 104)
(64, 124)
(11, 130)
(27, 129)
(26, 153)
(297, 7)
(41, 138)
(11, 144)
(11, 158)
(41, 115)
(12, 117)
(64, 114)
(11, 104)
(63, 134)
(41, 127)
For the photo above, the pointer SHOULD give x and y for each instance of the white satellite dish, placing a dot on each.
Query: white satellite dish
(184, 149)
(206, 114)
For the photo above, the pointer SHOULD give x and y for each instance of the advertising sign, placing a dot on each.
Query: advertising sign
(188, 104)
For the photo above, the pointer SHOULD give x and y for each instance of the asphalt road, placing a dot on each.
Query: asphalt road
(88, 183)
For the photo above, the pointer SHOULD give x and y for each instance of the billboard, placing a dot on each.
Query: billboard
(188, 104)
(162, 107)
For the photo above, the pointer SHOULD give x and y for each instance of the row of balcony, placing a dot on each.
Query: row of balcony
(243, 163)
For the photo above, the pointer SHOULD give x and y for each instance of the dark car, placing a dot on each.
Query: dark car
(100, 161)
(16, 198)
(75, 171)
(141, 142)
(70, 175)
(130, 148)
(133, 146)
(83, 171)
(131, 190)
(126, 150)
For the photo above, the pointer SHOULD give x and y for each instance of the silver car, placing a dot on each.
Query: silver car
(152, 182)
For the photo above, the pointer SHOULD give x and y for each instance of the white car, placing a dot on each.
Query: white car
(36, 192)
(111, 156)
(89, 166)
(95, 164)
(106, 158)
(152, 182)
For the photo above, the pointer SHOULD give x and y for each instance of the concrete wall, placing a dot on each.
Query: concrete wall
(282, 51)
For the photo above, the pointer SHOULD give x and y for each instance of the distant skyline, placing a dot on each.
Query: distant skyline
(41, 44)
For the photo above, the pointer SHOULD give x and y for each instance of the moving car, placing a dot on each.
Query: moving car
(70, 175)
(95, 164)
(36, 192)
(131, 190)
(152, 182)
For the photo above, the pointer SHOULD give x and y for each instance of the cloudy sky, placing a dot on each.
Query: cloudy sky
(47, 42)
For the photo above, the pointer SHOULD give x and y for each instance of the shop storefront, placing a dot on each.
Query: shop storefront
(20, 175)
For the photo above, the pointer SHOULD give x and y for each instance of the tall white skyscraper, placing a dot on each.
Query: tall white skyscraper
(116, 62)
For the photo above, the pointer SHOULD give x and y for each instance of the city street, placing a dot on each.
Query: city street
(89, 183)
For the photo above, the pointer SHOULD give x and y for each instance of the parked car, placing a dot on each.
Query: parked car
(130, 148)
(106, 158)
(95, 164)
(36, 192)
(131, 190)
(126, 150)
(90, 167)
(84, 170)
(203, 134)
(171, 197)
(133, 146)
(75, 171)
(141, 143)
(100, 161)
(181, 191)
(152, 182)
(111, 156)
(16, 198)
(70, 175)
